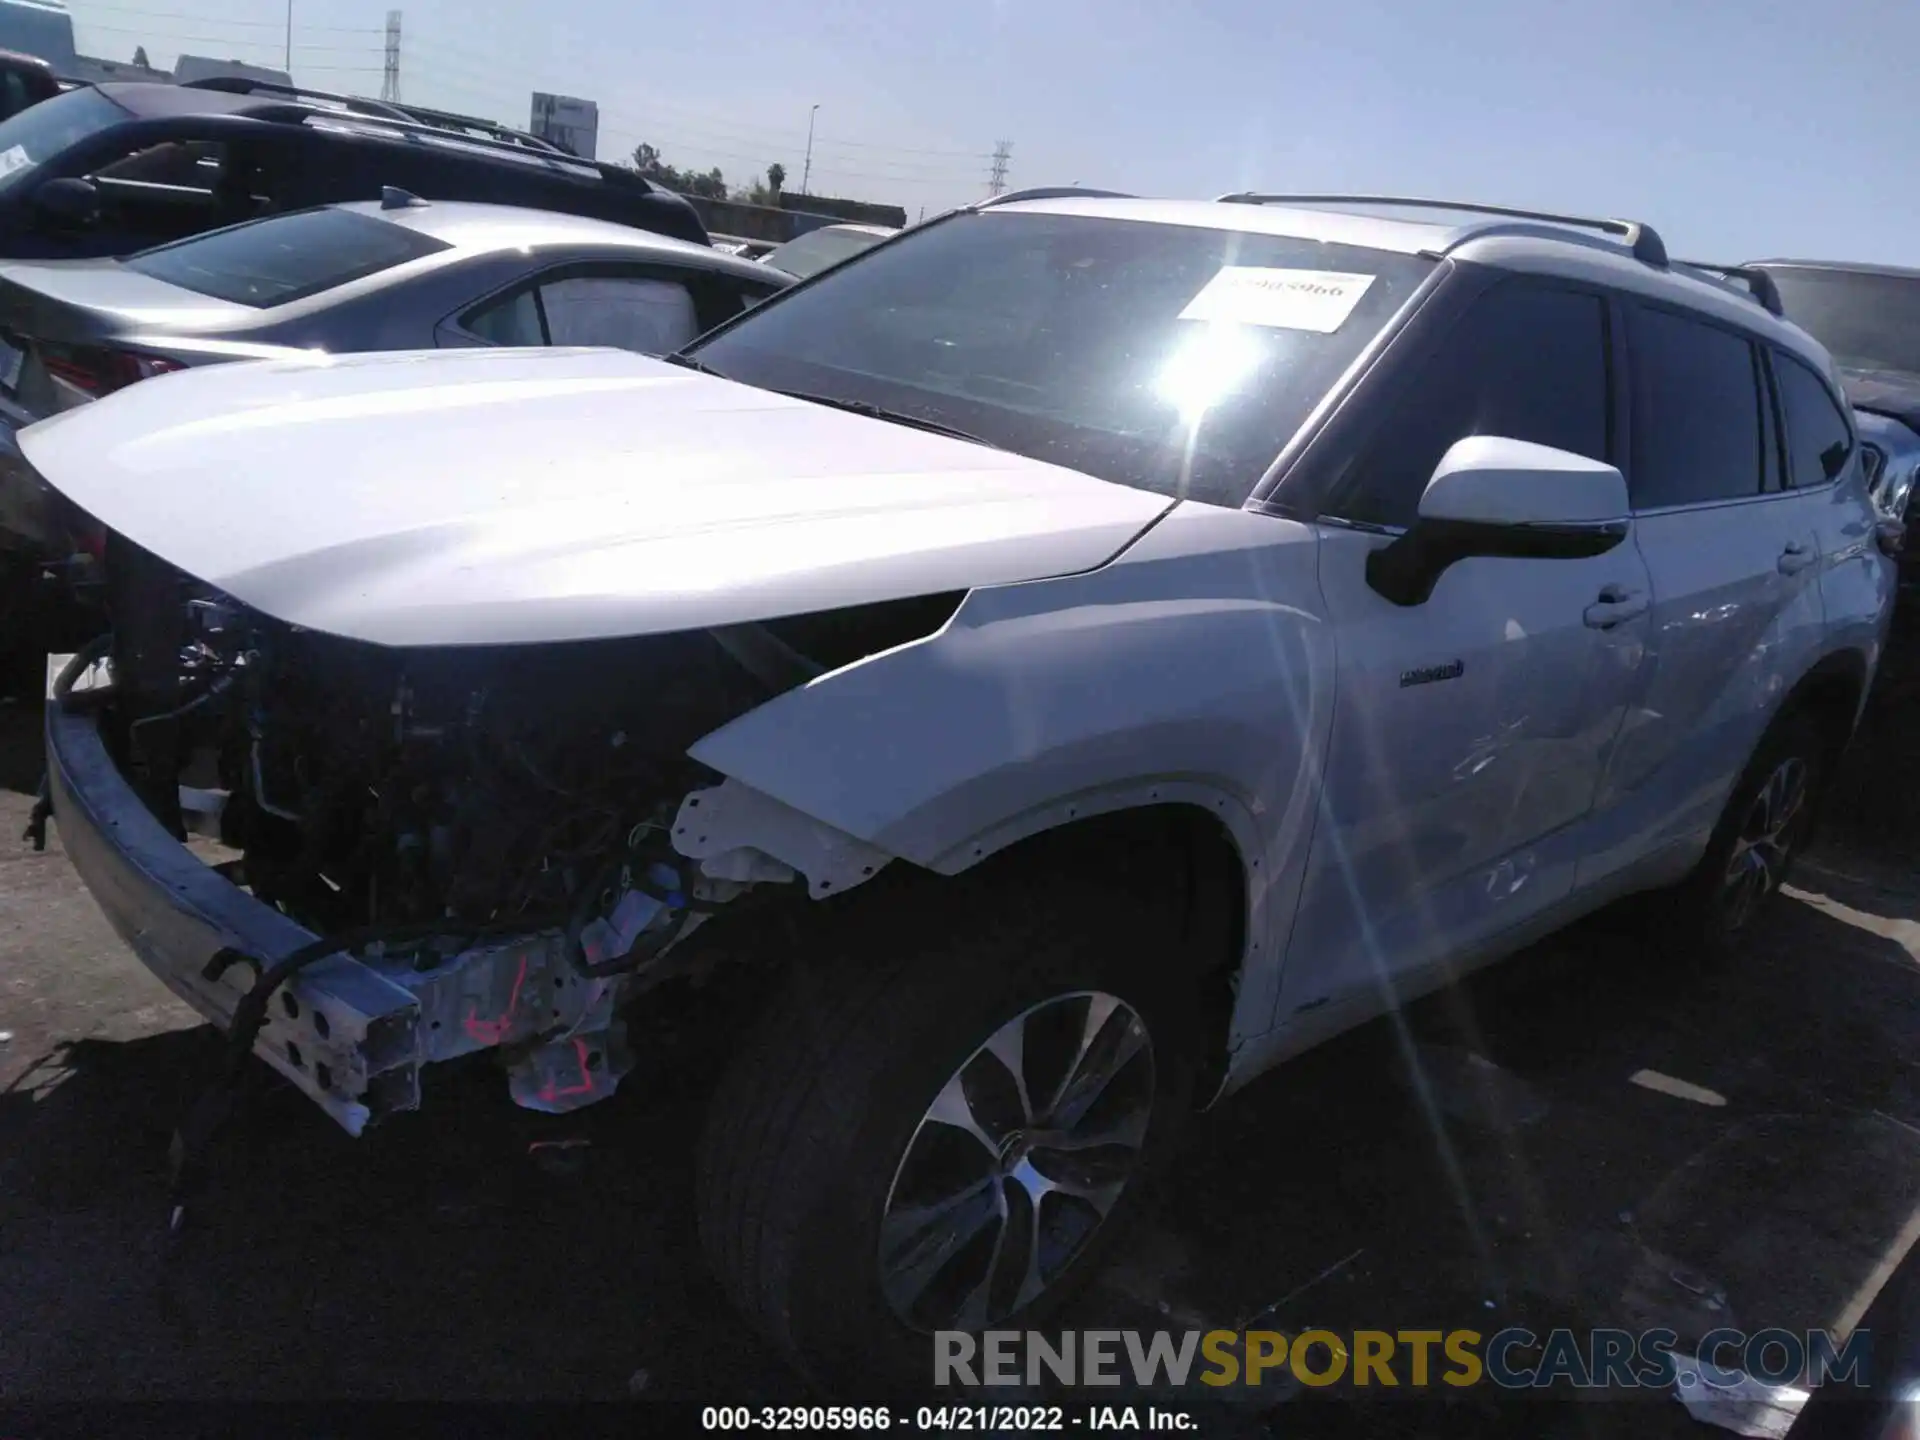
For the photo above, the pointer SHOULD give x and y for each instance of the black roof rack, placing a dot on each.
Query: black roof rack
(1758, 282)
(1642, 239)
(444, 121)
(419, 131)
(490, 129)
(242, 85)
(1052, 192)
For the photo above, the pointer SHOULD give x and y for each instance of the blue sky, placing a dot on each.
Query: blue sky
(1740, 128)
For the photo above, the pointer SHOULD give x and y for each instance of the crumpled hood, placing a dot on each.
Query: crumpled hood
(497, 496)
(1885, 392)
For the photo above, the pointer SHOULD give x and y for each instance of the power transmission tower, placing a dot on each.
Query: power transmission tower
(1002, 154)
(390, 82)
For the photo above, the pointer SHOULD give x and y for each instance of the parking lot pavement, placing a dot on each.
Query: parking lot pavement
(1585, 1135)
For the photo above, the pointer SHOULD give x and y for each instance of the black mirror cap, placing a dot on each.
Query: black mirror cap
(1405, 571)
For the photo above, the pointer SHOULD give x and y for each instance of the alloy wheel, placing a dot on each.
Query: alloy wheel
(1769, 833)
(1022, 1154)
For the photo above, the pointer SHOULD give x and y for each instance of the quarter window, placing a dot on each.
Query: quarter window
(513, 321)
(1819, 440)
(1697, 415)
(1528, 363)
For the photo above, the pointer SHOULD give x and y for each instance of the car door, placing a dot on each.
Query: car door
(1470, 730)
(1734, 558)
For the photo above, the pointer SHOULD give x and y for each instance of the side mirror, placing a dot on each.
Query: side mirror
(67, 202)
(1512, 499)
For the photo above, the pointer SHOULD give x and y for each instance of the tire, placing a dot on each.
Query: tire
(1715, 915)
(818, 1122)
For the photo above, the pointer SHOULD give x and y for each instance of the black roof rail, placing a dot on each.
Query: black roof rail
(491, 129)
(418, 131)
(443, 120)
(1758, 282)
(242, 85)
(1052, 192)
(620, 174)
(1642, 239)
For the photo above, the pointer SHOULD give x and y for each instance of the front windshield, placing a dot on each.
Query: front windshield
(1867, 322)
(1172, 358)
(40, 132)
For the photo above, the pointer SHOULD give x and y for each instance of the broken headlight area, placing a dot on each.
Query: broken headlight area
(488, 827)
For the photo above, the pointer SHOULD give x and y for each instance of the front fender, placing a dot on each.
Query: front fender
(1196, 668)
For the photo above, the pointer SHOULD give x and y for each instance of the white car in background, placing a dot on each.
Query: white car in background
(1074, 659)
(814, 251)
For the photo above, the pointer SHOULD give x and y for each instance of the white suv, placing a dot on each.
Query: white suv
(1071, 658)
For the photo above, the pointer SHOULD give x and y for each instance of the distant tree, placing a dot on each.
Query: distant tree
(648, 160)
(712, 185)
(140, 57)
(776, 177)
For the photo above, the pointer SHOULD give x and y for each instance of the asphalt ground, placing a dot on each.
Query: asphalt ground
(1488, 1160)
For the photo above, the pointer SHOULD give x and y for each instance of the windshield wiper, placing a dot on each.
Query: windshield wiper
(852, 407)
(688, 362)
(892, 417)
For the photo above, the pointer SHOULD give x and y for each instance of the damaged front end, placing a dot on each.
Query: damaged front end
(423, 853)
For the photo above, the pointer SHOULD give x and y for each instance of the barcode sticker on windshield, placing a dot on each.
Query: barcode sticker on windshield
(1316, 300)
(13, 158)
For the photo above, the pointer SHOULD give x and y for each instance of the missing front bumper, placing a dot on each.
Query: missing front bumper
(351, 1034)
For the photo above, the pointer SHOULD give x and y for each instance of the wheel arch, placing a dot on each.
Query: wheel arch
(1834, 692)
(1190, 839)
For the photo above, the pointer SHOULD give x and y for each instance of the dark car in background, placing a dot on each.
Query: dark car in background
(1868, 317)
(111, 169)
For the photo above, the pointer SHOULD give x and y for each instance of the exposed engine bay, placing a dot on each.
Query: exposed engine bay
(491, 827)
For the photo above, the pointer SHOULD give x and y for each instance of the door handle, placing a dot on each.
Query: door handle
(1616, 605)
(1796, 557)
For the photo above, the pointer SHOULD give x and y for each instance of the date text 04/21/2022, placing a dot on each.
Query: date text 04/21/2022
(993, 1419)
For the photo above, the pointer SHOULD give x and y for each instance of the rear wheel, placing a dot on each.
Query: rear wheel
(944, 1126)
(1767, 822)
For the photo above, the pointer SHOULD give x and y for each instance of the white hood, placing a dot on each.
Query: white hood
(483, 496)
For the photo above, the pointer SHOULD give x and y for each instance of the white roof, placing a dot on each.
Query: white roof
(1542, 247)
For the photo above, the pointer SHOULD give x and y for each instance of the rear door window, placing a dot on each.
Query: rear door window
(285, 257)
(626, 312)
(650, 314)
(183, 164)
(1698, 435)
(1819, 439)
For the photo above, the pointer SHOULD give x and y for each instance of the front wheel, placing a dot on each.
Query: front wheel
(944, 1126)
